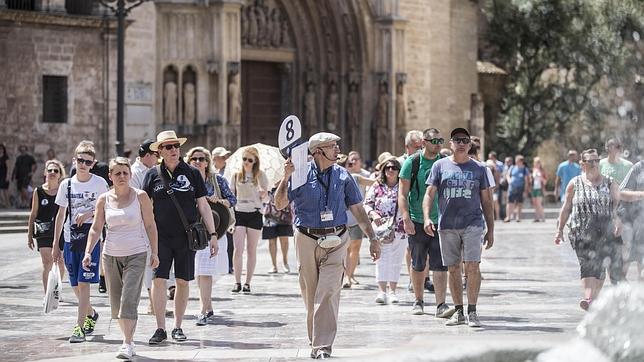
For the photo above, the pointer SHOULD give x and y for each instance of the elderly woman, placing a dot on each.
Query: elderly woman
(589, 210)
(42, 216)
(207, 266)
(381, 204)
(130, 243)
(250, 185)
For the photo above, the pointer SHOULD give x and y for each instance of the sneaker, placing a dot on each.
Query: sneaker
(159, 336)
(126, 352)
(321, 354)
(429, 286)
(237, 288)
(418, 308)
(444, 311)
(102, 287)
(457, 318)
(272, 270)
(393, 298)
(177, 335)
(287, 269)
(171, 291)
(473, 319)
(381, 298)
(246, 288)
(585, 303)
(202, 320)
(90, 323)
(77, 336)
(210, 317)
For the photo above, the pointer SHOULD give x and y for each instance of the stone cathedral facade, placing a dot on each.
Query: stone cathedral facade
(226, 72)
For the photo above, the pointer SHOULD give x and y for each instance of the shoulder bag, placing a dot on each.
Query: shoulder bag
(196, 232)
(43, 229)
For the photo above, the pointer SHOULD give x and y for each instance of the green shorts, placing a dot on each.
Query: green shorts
(537, 193)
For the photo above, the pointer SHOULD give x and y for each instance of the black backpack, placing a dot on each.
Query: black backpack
(415, 167)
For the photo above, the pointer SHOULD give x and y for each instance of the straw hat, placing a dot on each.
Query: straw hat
(166, 136)
(384, 157)
(220, 152)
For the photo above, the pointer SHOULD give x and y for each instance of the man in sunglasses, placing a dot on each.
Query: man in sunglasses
(423, 246)
(187, 186)
(461, 186)
(321, 206)
(78, 195)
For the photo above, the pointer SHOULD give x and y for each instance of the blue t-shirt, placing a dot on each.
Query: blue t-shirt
(334, 189)
(459, 192)
(566, 172)
(517, 177)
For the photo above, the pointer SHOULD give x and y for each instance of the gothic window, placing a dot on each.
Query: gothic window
(21, 4)
(54, 99)
(79, 7)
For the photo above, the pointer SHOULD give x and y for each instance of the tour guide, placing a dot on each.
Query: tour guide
(321, 238)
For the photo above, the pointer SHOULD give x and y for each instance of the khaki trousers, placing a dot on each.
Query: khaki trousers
(321, 272)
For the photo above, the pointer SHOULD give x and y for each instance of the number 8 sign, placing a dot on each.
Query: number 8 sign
(290, 132)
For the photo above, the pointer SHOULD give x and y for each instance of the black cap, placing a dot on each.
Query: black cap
(145, 147)
(456, 131)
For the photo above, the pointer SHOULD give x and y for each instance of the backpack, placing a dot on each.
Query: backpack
(415, 167)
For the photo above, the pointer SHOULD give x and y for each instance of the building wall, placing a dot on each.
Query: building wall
(44, 45)
(441, 51)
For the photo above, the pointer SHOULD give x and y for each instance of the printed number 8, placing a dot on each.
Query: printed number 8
(290, 133)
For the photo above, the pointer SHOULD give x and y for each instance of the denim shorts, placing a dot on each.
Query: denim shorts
(465, 242)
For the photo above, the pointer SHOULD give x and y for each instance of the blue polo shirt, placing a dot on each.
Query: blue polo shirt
(567, 171)
(334, 189)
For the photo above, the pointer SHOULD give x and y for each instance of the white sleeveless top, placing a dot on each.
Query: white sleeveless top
(125, 230)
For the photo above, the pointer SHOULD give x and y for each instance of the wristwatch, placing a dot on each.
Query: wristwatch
(213, 234)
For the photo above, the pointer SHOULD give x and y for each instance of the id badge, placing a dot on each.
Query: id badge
(326, 215)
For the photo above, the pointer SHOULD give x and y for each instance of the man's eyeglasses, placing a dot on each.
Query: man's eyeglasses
(249, 160)
(461, 140)
(170, 146)
(198, 159)
(593, 161)
(82, 161)
(392, 168)
(53, 170)
(435, 141)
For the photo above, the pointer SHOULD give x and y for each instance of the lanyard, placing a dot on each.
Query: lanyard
(325, 186)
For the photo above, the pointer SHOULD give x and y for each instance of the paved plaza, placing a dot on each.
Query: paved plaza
(529, 294)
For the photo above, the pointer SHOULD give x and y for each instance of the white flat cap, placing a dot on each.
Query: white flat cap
(320, 138)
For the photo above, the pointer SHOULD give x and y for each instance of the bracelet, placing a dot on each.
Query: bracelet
(213, 234)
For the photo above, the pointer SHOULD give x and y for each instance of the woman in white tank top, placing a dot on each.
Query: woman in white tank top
(131, 231)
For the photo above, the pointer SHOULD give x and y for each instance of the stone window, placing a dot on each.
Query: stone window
(79, 7)
(21, 4)
(54, 99)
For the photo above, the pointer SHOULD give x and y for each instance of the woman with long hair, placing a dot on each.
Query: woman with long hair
(130, 244)
(42, 216)
(250, 185)
(539, 179)
(207, 266)
(589, 211)
(381, 204)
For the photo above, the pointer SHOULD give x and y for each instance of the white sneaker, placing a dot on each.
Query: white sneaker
(287, 269)
(272, 270)
(381, 298)
(126, 351)
(393, 298)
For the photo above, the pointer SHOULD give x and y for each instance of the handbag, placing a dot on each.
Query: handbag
(196, 232)
(43, 229)
(386, 232)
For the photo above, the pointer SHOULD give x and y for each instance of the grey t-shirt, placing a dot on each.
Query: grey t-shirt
(459, 192)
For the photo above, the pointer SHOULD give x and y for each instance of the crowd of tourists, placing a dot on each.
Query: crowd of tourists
(434, 207)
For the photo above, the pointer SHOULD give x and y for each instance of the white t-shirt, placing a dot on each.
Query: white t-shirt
(83, 197)
(138, 174)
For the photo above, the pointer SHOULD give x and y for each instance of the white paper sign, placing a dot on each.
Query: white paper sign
(290, 132)
(299, 157)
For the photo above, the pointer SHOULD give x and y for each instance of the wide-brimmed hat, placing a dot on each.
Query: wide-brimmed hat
(382, 164)
(221, 217)
(220, 152)
(385, 156)
(166, 136)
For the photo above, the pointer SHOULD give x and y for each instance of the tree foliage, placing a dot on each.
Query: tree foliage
(562, 57)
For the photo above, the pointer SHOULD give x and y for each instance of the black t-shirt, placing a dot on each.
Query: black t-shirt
(188, 186)
(23, 166)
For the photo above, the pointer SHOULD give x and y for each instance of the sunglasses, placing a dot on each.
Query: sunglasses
(392, 168)
(171, 146)
(249, 160)
(435, 141)
(53, 170)
(82, 161)
(461, 140)
(198, 159)
(596, 160)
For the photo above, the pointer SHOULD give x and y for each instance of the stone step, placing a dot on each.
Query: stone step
(13, 229)
(5, 223)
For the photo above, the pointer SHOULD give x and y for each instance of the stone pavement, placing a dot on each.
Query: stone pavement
(529, 296)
